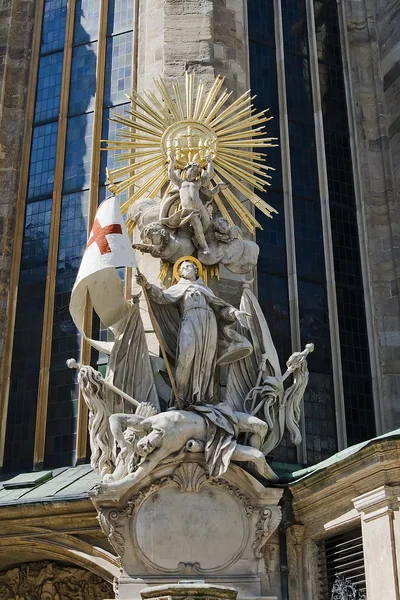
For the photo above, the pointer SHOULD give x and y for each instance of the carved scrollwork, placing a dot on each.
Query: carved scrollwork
(269, 520)
(189, 477)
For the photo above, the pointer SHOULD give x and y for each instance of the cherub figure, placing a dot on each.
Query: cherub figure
(193, 209)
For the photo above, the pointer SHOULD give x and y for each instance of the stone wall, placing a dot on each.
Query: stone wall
(372, 32)
(16, 24)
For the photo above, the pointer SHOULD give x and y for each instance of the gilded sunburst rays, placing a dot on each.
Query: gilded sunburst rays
(188, 126)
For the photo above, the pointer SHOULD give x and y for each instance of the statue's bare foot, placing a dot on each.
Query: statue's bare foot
(206, 250)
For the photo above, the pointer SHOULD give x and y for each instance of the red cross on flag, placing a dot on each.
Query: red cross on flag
(107, 249)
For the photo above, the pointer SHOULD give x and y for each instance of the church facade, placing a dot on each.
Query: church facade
(327, 272)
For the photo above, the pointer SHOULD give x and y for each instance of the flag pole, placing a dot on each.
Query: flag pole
(158, 333)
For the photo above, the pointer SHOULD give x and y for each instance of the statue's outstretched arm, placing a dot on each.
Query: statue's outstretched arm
(208, 174)
(153, 291)
(171, 173)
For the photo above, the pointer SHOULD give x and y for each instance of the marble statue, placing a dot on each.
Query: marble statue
(197, 329)
(192, 208)
(212, 429)
(135, 426)
(187, 222)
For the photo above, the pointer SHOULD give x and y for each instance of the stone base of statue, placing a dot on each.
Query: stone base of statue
(179, 524)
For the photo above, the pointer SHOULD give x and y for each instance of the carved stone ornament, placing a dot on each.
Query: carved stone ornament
(250, 525)
(51, 581)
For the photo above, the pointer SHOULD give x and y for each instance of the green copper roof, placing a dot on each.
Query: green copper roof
(59, 484)
(342, 455)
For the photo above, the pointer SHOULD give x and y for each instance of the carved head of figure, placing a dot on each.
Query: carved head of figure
(148, 443)
(192, 171)
(188, 270)
(157, 234)
(221, 224)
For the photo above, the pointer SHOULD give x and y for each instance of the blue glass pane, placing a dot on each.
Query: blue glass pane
(303, 160)
(314, 324)
(73, 232)
(78, 153)
(63, 388)
(105, 193)
(53, 29)
(35, 245)
(62, 414)
(273, 298)
(120, 16)
(83, 79)
(320, 423)
(298, 89)
(261, 21)
(66, 343)
(359, 407)
(86, 21)
(271, 239)
(327, 32)
(49, 87)
(21, 418)
(333, 97)
(294, 23)
(43, 160)
(118, 73)
(339, 166)
(263, 78)
(109, 132)
(309, 242)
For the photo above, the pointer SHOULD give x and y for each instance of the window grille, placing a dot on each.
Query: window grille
(341, 567)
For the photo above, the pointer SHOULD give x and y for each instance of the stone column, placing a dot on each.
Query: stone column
(16, 24)
(381, 541)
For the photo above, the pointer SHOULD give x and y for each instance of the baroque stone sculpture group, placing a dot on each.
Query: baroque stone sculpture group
(172, 417)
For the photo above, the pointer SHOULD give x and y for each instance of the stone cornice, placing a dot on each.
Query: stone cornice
(378, 502)
(329, 493)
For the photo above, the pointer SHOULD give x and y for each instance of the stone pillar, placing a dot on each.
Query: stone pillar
(372, 50)
(381, 541)
(16, 24)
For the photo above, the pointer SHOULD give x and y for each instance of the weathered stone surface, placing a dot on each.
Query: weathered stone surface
(373, 32)
(16, 18)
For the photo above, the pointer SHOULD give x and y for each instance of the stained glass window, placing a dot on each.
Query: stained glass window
(118, 75)
(86, 29)
(83, 79)
(49, 87)
(359, 410)
(24, 378)
(78, 152)
(53, 28)
(120, 16)
(63, 390)
(43, 160)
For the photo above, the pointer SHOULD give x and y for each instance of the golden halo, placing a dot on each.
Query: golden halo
(192, 259)
(189, 124)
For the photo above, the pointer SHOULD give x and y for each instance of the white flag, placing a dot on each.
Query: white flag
(107, 249)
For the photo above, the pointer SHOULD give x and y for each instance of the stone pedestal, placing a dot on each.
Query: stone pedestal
(180, 524)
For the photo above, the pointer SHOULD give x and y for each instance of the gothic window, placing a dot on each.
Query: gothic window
(295, 50)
